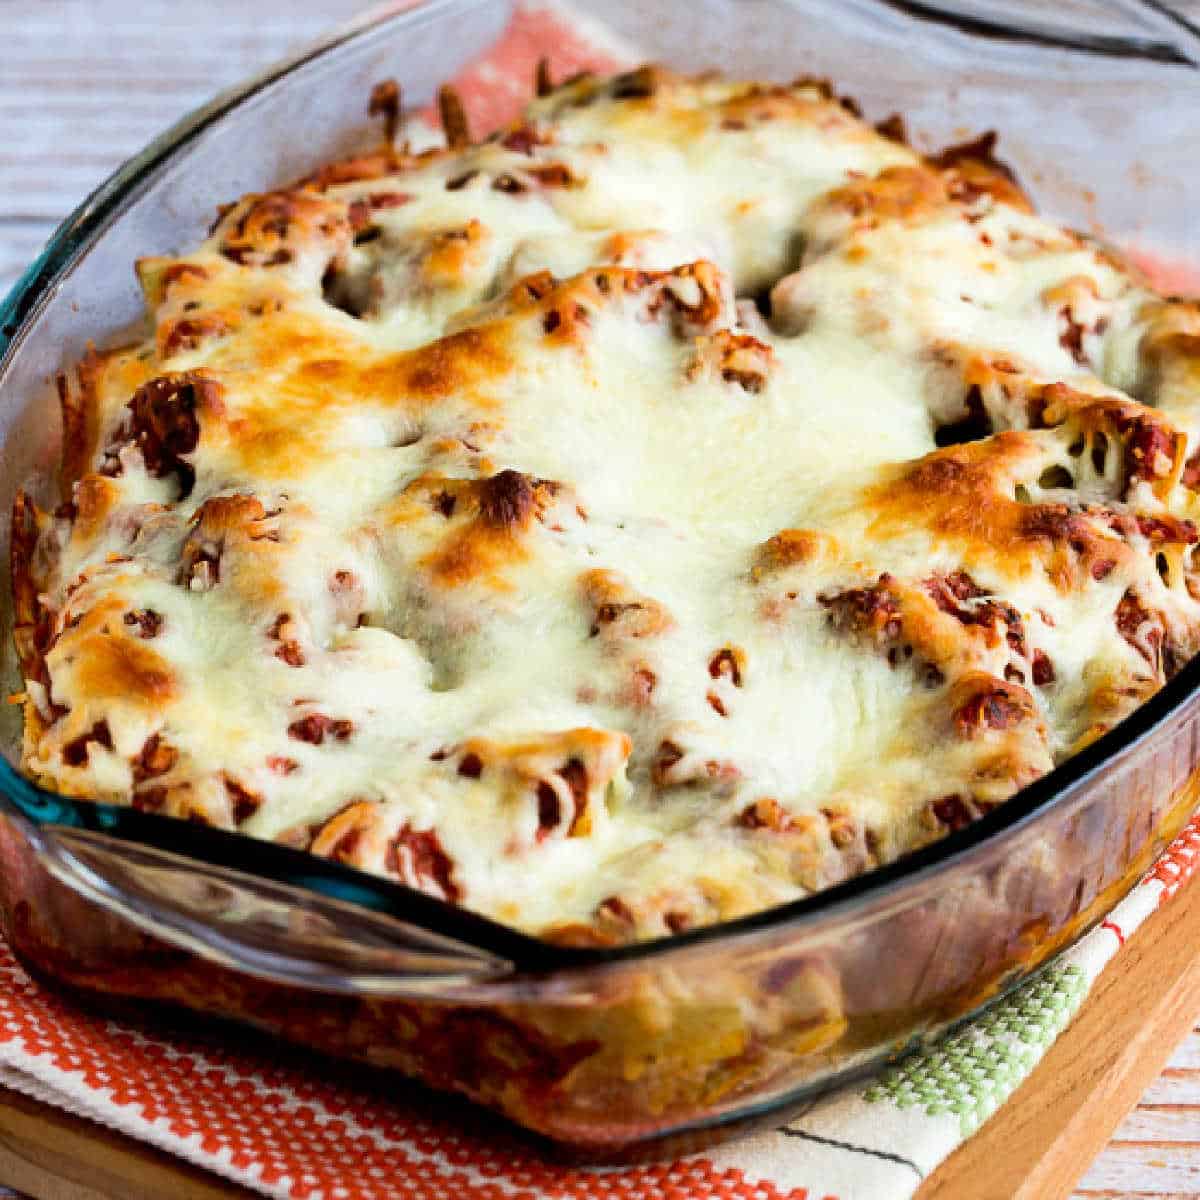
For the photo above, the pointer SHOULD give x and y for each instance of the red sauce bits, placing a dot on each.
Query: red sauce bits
(1144, 630)
(672, 767)
(471, 765)
(283, 631)
(1043, 668)
(549, 800)
(766, 813)
(506, 500)
(736, 358)
(314, 729)
(189, 333)
(726, 663)
(549, 810)
(417, 858)
(522, 139)
(156, 758)
(243, 802)
(873, 611)
(982, 703)
(951, 812)
(958, 595)
(1150, 449)
(1071, 336)
(145, 621)
(669, 756)
(164, 425)
(1191, 473)
(641, 686)
(76, 752)
(152, 799)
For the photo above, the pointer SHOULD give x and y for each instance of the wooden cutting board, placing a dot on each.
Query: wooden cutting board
(1040, 1143)
(1035, 1148)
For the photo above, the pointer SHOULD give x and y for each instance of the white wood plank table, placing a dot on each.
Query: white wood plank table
(86, 83)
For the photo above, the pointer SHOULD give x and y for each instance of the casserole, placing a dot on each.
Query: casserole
(666, 1038)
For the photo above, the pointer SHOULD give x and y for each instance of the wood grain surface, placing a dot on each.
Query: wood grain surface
(86, 83)
(1041, 1142)
(50, 1155)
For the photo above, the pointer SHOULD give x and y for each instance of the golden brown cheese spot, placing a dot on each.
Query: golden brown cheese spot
(280, 431)
(691, 297)
(94, 497)
(766, 813)
(933, 627)
(972, 168)
(965, 496)
(458, 362)
(220, 521)
(981, 703)
(98, 377)
(760, 105)
(160, 276)
(453, 253)
(483, 525)
(911, 194)
(219, 515)
(351, 835)
(735, 358)
(793, 547)
(914, 195)
(618, 611)
(361, 168)
(479, 551)
(564, 776)
(275, 228)
(182, 334)
(1153, 450)
(106, 661)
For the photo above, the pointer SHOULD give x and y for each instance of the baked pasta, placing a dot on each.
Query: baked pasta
(683, 500)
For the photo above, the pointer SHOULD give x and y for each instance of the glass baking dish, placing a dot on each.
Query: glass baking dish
(662, 1045)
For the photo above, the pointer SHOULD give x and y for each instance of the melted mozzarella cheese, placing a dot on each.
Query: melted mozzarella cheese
(496, 542)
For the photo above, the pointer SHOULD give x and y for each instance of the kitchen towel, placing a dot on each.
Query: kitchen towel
(275, 1122)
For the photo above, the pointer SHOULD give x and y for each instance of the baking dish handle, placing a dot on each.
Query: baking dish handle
(263, 928)
(258, 908)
